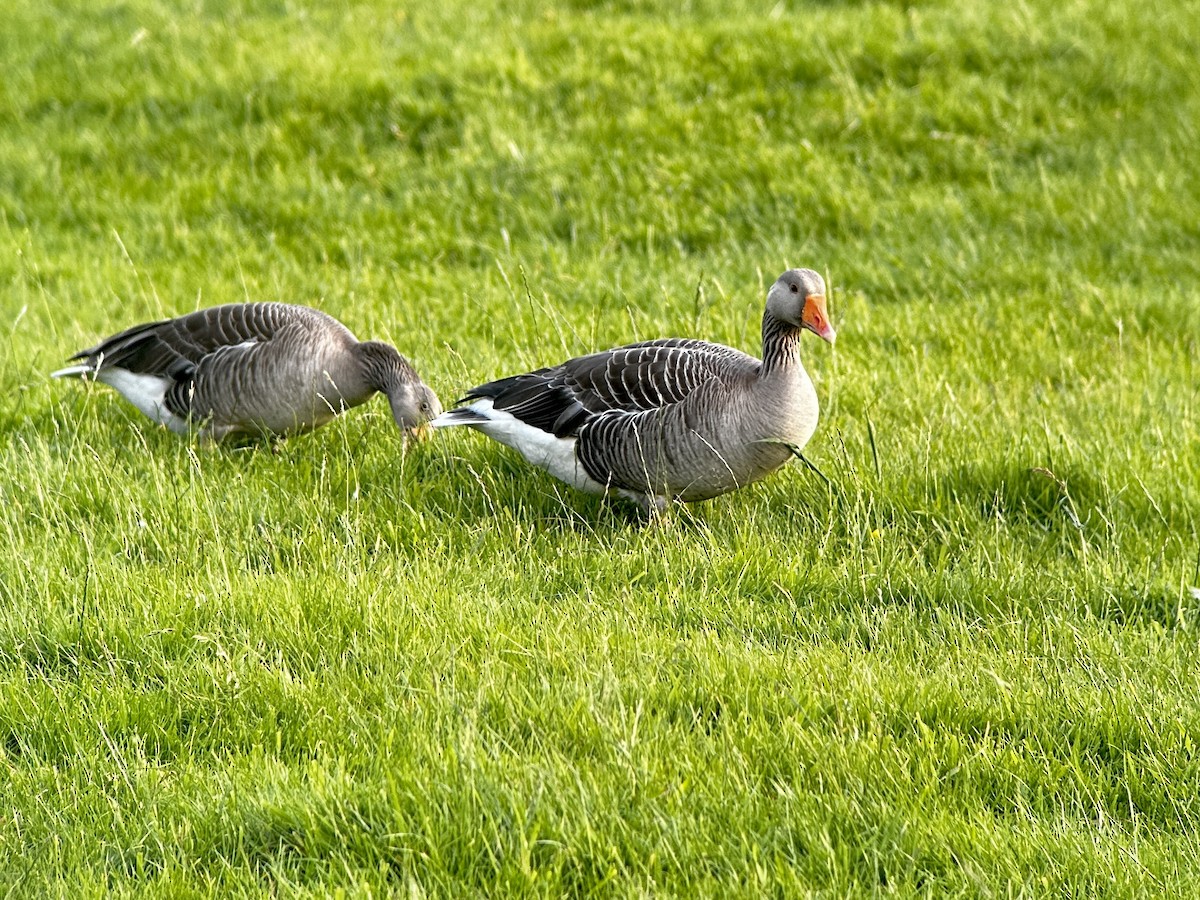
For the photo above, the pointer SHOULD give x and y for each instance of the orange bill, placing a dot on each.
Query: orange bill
(816, 319)
(419, 434)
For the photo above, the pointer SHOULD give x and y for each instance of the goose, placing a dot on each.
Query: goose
(665, 420)
(253, 370)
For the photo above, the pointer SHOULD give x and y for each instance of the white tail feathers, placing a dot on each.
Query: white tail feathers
(81, 370)
(461, 416)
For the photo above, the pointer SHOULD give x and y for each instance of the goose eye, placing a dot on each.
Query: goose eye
(424, 407)
(795, 288)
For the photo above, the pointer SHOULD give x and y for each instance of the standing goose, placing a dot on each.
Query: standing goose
(254, 369)
(668, 419)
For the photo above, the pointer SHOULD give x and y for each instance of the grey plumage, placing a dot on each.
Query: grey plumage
(667, 419)
(253, 369)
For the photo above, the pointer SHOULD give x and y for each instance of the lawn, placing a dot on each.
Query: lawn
(966, 664)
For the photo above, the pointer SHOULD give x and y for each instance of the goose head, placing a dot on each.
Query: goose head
(413, 404)
(798, 298)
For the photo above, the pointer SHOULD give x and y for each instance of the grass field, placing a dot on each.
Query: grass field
(968, 665)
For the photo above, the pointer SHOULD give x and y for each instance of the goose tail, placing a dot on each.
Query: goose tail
(462, 415)
(82, 370)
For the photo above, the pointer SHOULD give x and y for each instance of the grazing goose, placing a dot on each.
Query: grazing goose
(668, 419)
(254, 369)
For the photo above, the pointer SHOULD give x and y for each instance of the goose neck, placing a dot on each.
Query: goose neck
(781, 345)
(382, 366)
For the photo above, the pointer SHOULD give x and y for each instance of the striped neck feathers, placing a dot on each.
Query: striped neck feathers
(781, 344)
(383, 368)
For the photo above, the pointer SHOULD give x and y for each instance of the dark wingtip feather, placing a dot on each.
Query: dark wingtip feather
(493, 390)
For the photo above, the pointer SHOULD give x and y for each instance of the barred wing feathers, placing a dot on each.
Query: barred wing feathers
(636, 378)
(175, 347)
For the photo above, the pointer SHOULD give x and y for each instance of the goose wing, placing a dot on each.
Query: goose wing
(269, 379)
(174, 347)
(630, 379)
(660, 451)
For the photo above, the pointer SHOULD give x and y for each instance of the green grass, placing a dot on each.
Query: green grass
(967, 666)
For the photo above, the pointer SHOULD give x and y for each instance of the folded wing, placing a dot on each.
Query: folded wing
(636, 378)
(174, 347)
